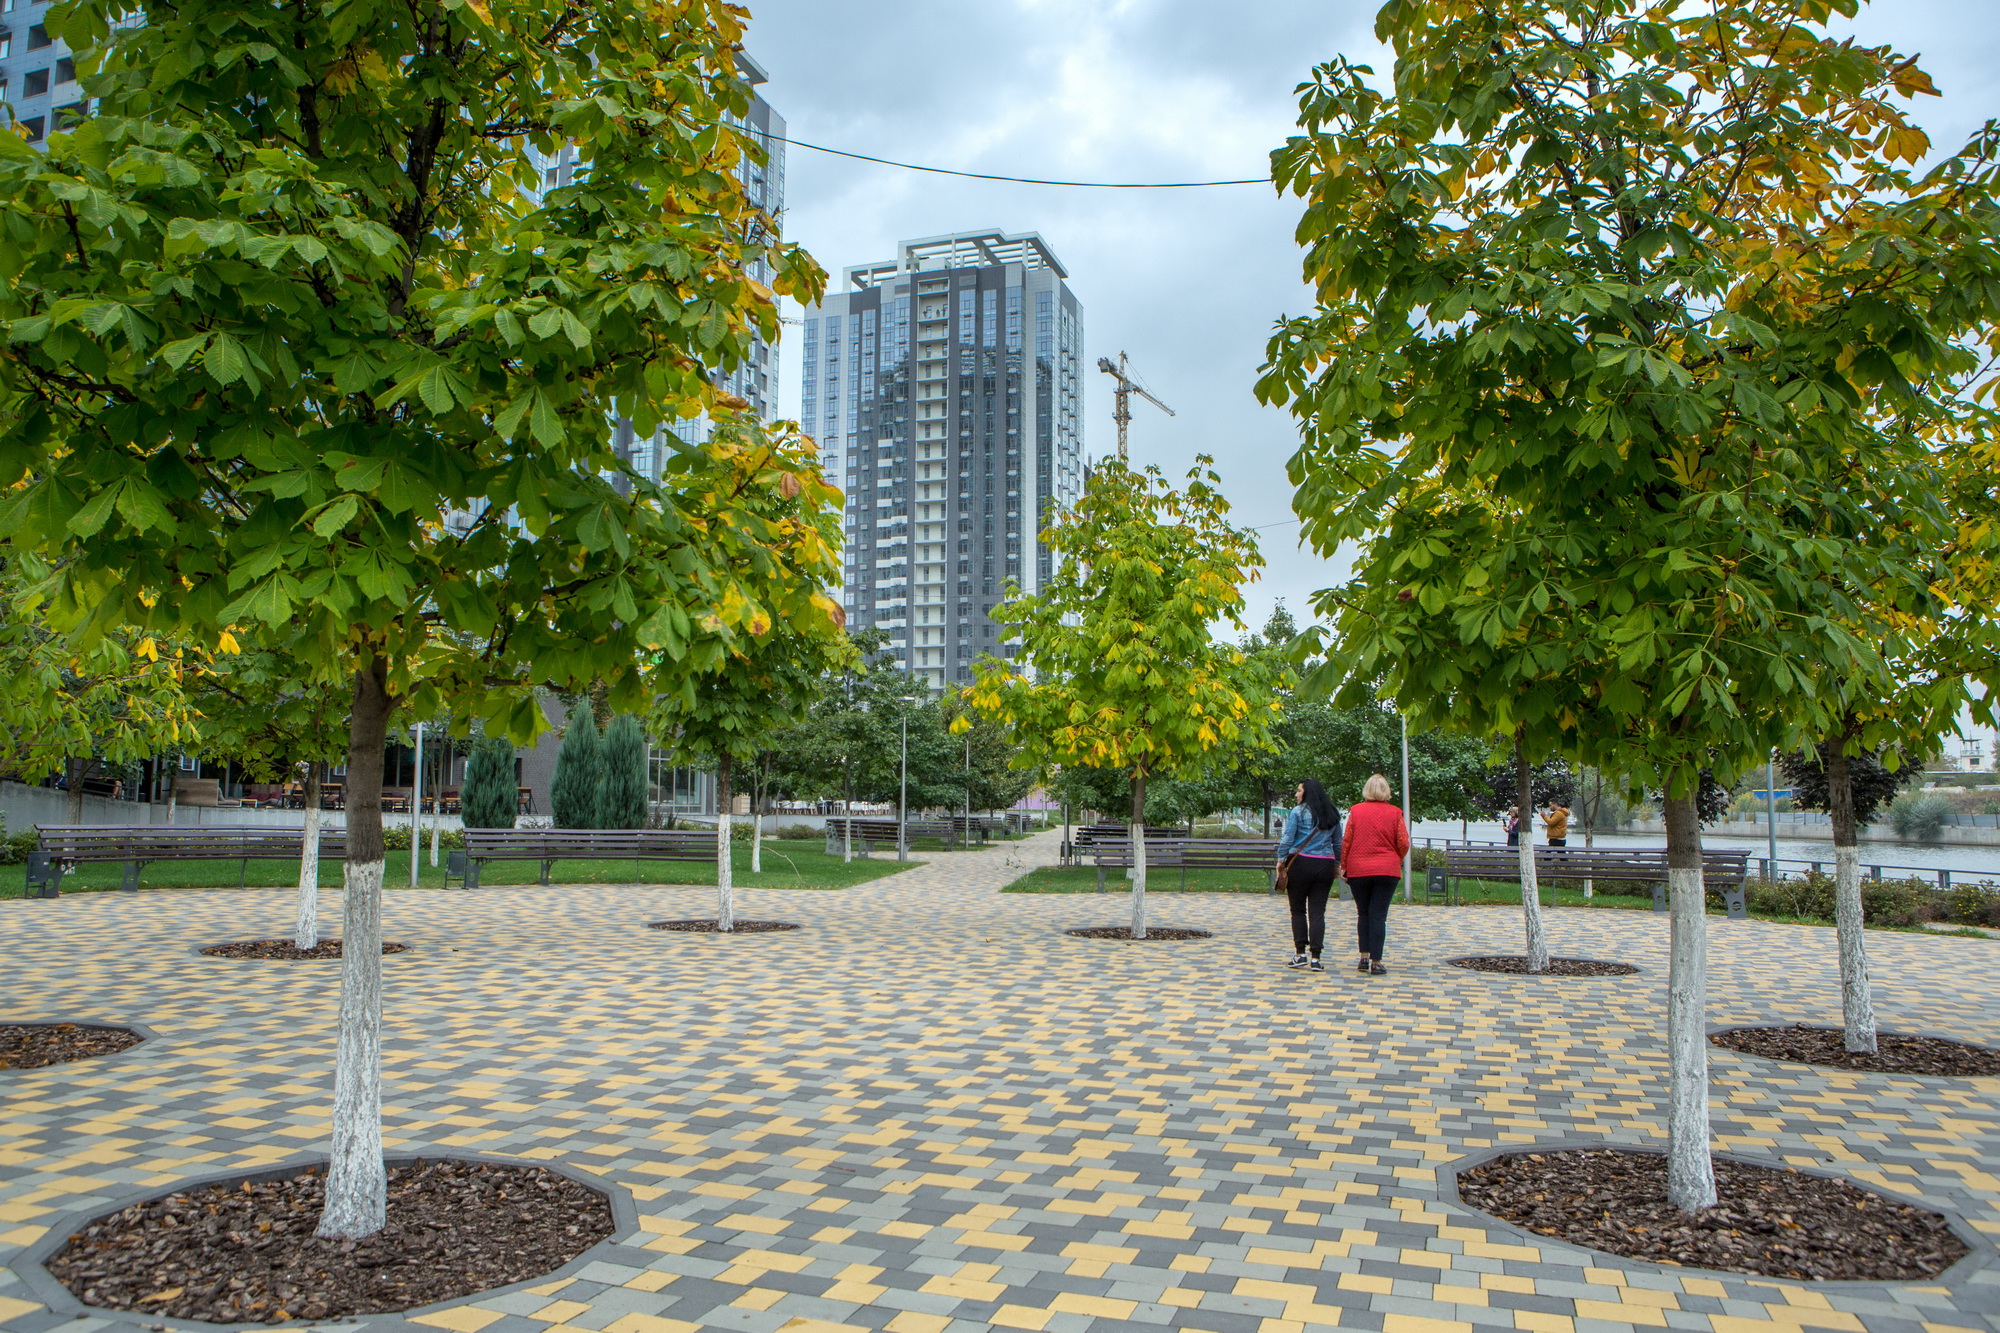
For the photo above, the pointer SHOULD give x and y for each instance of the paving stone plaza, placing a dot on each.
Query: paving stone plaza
(930, 1111)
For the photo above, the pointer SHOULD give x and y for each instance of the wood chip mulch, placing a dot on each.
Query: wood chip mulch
(285, 950)
(1152, 933)
(1770, 1222)
(706, 926)
(1932, 1057)
(38, 1045)
(246, 1253)
(1558, 967)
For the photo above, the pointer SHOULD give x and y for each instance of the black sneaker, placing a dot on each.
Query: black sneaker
(1315, 966)
(1377, 970)
(1299, 961)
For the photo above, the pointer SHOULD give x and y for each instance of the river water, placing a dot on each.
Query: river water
(1915, 856)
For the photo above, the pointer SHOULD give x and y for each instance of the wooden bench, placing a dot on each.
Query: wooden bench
(1189, 854)
(1087, 836)
(1719, 870)
(59, 848)
(868, 832)
(550, 845)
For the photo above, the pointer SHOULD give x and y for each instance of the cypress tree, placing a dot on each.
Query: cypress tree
(621, 787)
(490, 797)
(573, 792)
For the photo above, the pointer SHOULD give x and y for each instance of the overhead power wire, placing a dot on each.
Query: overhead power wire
(1013, 180)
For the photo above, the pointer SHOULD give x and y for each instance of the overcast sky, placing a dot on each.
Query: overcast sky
(1189, 282)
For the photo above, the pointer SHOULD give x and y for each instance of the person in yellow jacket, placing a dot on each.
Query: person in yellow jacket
(1556, 821)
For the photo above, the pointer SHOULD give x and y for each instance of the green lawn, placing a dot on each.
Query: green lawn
(786, 866)
(1159, 879)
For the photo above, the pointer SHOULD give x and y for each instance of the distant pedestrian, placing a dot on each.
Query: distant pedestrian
(1511, 822)
(1371, 857)
(1556, 821)
(1311, 842)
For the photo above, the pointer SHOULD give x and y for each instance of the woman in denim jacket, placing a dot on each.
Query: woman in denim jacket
(1312, 834)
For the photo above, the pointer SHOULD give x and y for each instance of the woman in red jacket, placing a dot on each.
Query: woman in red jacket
(1371, 858)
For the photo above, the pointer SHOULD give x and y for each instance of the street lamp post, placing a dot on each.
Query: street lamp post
(1771, 815)
(1409, 886)
(417, 805)
(903, 795)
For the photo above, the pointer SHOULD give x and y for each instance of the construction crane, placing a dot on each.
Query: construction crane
(1126, 388)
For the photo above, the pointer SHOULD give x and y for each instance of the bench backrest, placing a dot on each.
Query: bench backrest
(568, 844)
(1632, 863)
(146, 842)
(1217, 852)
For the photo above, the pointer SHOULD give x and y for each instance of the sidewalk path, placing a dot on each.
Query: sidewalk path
(931, 1111)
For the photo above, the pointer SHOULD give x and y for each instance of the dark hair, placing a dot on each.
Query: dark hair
(1325, 816)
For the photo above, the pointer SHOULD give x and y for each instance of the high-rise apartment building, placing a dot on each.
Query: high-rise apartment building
(37, 71)
(945, 388)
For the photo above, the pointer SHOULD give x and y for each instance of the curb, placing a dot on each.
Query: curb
(1715, 1028)
(145, 1035)
(30, 1263)
(1980, 1250)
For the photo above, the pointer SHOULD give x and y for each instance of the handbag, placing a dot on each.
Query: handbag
(1283, 881)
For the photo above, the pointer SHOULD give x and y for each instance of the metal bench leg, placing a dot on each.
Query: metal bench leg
(242, 873)
(1100, 876)
(1738, 909)
(130, 884)
(1659, 897)
(471, 880)
(547, 866)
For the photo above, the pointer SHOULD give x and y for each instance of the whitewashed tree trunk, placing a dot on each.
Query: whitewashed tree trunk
(1690, 1169)
(1590, 826)
(1531, 889)
(306, 934)
(725, 881)
(357, 1184)
(1139, 856)
(173, 791)
(1857, 1001)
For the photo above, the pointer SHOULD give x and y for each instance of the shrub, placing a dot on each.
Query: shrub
(1888, 902)
(396, 838)
(490, 797)
(1971, 904)
(1919, 816)
(621, 781)
(1810, 896)
(573, 790)
(799, 832)
(14, 848)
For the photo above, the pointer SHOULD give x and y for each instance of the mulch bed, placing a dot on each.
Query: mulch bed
(246, 1253)
(1934, 1057)
(706, 926)
(1152, 933)
(38, 1045)
(1766, 1221)
(1558, 967)
(285, 950)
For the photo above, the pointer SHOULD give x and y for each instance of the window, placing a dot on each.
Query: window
(66, 70)
(33, 125)
(38, 37)
(69, 116)
(35, 84)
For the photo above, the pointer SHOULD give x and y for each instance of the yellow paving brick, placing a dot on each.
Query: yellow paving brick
(767, 1226)
(758, 1298)
(560, 1312)
(1370, 1282)
(1308, 1315)
(11, 1307)
(803, 1325)
(1265, 1289)
(1507, 1282)
(855, 1293)
(1103, 1307)
(1459, 1295)
(649, 1323)
(1426, 1259)
(1110, 1254)
(652, 1280)
(1704, 1286)
(909, 1321)
(963, 1287)
(1666, 1300)
(1019, 1316)
(1800, 1316)
(1542, 1321)
(1187, 1298)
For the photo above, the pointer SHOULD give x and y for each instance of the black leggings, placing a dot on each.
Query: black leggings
(1310, 881)
(1371, 909)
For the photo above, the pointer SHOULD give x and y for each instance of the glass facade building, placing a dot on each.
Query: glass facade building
(945, 388)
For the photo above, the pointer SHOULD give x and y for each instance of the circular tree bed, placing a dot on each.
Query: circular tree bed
(38, 1045)
(1152, 933)
(1558, 967)
(706, 926)
(1934, 1057)
(285, 950)
(1767, 1221)
(246, 1253)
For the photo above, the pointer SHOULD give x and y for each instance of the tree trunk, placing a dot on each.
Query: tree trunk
(757, 827)
(1590, 823)
(437, 801)
(1856, 1001)
(173, 791)
(1267, 809)
(846, 817)
(1531, 890)
(1690, 1171)
(725, 883)
(357, 1184)
(1139, 855)
(306, 934)
(74, 770)
(600, 705)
